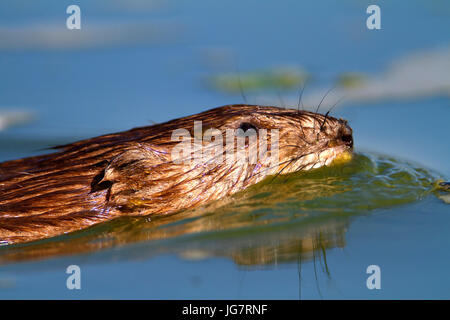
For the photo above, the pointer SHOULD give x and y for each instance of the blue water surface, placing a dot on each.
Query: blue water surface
(81, 92)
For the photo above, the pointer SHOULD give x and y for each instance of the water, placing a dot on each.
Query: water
(257, 245)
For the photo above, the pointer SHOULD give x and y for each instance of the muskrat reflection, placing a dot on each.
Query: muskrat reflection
(284, 218)
(254, 250)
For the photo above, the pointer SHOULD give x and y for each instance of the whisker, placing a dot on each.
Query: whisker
(279, 172)
(292, 161)
(283, 105)
(298, 109)
(294, 146)
(301, 95)
(241, 89)
(315, 269)
(281, 163)
(318, 107)
(323, 98)
(298, 169)
(328, 112)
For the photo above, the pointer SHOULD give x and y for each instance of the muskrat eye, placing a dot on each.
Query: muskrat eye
(244, 126)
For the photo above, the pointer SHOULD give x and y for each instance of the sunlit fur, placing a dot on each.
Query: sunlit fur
(132, 172)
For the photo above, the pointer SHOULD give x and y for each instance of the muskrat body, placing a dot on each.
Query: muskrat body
(135, 172)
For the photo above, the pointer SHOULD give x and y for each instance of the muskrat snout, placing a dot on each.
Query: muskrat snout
(346, 134)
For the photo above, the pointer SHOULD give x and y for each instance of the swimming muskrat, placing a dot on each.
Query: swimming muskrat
(134, 173)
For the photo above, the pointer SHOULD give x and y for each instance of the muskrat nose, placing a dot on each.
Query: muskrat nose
(346, 135)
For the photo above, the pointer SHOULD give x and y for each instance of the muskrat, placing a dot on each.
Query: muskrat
(134, 173)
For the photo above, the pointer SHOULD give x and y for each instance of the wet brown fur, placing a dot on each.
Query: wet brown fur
(130, 173)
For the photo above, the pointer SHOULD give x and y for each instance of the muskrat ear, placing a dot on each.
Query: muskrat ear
(134, 161)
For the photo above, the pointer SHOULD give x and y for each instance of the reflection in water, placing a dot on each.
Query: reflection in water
(290, 218)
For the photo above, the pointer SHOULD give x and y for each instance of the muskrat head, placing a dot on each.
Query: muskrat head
(307, 140)
(275, 140)
(209, 155)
